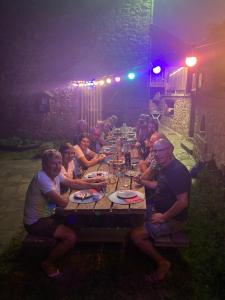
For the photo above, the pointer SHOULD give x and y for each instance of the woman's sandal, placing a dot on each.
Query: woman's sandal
(53, 275)
(155, 278)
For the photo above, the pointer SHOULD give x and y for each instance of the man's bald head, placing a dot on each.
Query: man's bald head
(163, 151)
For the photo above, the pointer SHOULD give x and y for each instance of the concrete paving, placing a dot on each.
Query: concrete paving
(16, 175)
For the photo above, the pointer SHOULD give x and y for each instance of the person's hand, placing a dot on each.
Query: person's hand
(95, 179)
(101, 157)
(157, 218)
(137, 179)
(98, 179)
(100, 186)
(137, 145)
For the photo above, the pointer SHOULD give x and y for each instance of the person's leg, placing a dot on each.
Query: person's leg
(66, 239)
(141, 239)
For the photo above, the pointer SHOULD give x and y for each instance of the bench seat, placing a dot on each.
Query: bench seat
(33, 241)
(175, 240)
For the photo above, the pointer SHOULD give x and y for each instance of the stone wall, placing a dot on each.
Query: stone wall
(180, 121)
(210, 143)
(29, 118)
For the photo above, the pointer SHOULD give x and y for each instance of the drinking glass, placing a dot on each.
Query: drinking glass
(111, 176)
(125, 180)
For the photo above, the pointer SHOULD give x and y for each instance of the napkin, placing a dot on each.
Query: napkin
(133, 200)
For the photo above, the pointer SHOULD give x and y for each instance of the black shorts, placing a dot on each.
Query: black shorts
(44, 226)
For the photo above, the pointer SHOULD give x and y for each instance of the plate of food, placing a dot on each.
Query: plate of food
(102, 174)
(126, 194)
(83, 194)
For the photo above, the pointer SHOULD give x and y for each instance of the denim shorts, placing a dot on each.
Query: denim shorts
(156, 230)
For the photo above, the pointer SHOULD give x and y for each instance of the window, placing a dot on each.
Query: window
(44, 104)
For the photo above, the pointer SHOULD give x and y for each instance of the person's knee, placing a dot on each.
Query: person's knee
(71, 237)
(135, 236)
(66, 234)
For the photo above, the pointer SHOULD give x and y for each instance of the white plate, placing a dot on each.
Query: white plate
(126, 194)
(96, 174)
(115, 199)
(132, 173)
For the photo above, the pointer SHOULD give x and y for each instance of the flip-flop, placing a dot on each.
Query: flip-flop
(154, 278)
(54, 275)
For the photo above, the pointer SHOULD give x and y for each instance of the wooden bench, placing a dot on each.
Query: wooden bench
(33, 241)
(120, 235)
(106, 235)
(175, 240)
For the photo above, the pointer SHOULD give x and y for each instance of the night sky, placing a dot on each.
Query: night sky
(189, 20)
(41, 32)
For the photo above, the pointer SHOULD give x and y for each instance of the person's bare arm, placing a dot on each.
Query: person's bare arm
(91, 162)
(92, 154)
(142, 166)
(84, 184)
(58, 199)
(151, 184)
(147, 174)
(175, 209)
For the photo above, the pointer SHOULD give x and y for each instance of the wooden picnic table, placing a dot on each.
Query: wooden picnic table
(105, 220)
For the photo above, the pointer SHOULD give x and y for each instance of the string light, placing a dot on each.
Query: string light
(131, 76)
(101, 81)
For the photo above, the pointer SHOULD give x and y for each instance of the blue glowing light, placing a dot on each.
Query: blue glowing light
(131, 76)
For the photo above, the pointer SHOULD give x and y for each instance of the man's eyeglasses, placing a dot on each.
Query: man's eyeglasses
(159, 150)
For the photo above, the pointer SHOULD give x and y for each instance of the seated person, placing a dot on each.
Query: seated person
(67, 152)
(67, 169)
(96, 141)
(84, 156)
(42, 197)
(145, 127)
(112, 121)
(80, 128)
(168, 206)
(145, 163)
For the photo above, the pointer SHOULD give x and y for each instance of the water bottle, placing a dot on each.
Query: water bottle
(119, 147)
(127, 157)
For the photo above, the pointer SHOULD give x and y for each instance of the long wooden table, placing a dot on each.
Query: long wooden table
(105, 220)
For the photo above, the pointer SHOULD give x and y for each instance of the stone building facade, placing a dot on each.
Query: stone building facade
(198, 110)
(178, 118)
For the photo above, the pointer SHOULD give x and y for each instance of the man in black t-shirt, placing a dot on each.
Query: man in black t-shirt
(169, 192)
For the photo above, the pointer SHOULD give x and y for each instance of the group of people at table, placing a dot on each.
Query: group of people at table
(166, 181)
